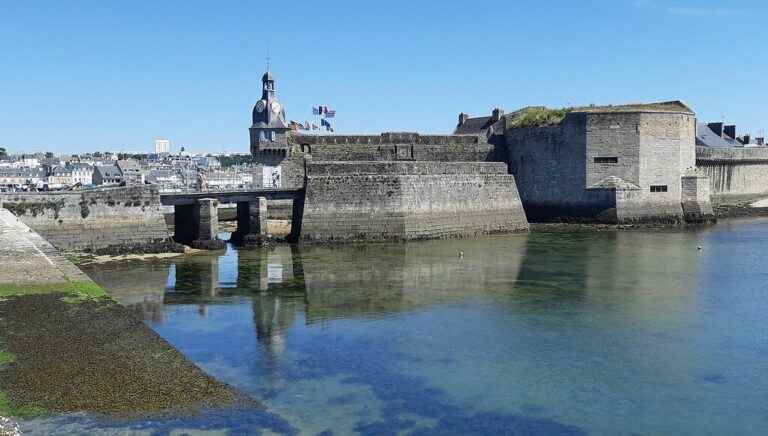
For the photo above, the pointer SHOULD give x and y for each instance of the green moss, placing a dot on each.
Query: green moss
(536, 117)
(79, 290)
(77, 258)
(6, 358)
(24, 411)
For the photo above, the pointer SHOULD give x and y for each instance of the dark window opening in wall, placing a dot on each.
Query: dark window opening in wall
(607, 160)
(658, 188)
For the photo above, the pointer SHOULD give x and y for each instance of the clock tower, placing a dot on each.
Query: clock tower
(269, 129)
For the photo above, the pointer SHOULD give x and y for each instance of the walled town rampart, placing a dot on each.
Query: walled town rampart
(408, 200)
(397, 147)
(610, 164)
(735, 174)
(105, 220)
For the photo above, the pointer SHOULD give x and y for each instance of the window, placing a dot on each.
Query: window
(658, 188)
(607, 160)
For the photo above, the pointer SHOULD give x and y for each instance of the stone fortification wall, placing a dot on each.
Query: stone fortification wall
(735, 174)
(601, 165)
(550, 168)
(696, 197)
(612, 135)
(408, 200)
(397, 146)
(357, 148)
(640, 206)
(107, 220)
(667, 148)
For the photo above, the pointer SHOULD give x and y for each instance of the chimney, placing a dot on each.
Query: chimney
(730, 131)
(497, 114)
(760, 141)
(717, 128)
(747, 139)
(463, 118)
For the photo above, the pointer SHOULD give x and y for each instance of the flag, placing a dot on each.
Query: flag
(330, 113)
(315, 110)
(326, 124)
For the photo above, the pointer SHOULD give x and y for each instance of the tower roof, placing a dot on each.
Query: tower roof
(267, 77)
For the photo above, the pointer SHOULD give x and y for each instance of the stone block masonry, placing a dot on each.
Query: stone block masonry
(106, 220)
(735, 174)
(409, 200)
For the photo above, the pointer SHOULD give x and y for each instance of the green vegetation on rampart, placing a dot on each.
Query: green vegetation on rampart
(536, 117)
(77, 290)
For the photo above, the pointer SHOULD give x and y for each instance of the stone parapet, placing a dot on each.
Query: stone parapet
(735, 175)
(734, 155)
(388, 138)
(333, 168)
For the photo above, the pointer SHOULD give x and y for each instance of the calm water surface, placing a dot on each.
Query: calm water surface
(636, 333)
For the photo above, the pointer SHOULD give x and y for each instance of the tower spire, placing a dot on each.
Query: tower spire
(268, 56)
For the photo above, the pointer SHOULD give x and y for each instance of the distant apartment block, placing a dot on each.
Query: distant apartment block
(162, 146)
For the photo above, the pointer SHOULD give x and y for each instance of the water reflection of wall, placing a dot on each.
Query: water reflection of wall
(637, 271)
(266, 270)
(379, 279)
(642, 268)
(652, 272)
(138, 286)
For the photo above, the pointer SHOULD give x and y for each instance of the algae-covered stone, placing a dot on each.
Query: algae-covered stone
(96, 357)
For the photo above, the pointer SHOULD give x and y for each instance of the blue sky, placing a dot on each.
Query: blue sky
(84, 76)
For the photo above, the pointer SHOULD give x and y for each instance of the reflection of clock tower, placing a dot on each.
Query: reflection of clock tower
(269, 128)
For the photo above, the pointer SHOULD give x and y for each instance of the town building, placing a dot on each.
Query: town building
(107, 175)
(21, 179)
(162, 146)
(131, 172)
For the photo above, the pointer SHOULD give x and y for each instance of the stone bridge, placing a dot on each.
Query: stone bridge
(196, 213)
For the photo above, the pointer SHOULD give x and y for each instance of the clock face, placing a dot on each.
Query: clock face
(275, 107)
(260, 106)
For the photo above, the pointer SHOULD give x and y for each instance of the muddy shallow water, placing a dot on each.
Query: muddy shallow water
(641, 332)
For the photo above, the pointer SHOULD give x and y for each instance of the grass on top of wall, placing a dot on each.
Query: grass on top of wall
(536, 117)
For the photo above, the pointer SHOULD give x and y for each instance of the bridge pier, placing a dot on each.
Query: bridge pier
(198, 224)
(251, 220)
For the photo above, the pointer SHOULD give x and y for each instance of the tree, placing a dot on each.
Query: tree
(3, 153)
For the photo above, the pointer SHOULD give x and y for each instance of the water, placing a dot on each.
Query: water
(635, 333)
